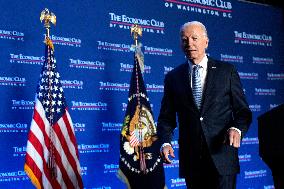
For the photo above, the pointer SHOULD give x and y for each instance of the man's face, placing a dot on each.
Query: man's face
(194, 42)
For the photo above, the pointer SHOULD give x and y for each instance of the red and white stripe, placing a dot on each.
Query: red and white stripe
(133, 139)
(65, 152)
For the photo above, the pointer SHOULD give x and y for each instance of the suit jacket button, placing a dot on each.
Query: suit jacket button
(201, 118)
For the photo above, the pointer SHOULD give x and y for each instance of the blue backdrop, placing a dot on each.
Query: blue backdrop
(92, 41)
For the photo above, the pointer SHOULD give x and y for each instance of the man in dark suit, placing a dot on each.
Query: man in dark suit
(207, 98)
(271, 144)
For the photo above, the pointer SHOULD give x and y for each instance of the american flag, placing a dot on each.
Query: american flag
(52, 159)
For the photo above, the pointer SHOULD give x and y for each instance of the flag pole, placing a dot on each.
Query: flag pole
(136, 31)
(46, 16)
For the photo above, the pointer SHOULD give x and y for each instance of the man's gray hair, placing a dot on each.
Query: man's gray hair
(194, 23)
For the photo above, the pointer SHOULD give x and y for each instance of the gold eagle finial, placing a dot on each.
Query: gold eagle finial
(136, 31)
(47, 17)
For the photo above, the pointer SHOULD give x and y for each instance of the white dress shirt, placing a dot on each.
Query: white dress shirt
(202, 71)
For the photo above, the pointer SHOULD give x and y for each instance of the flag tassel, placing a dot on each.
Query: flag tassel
(143, 166)
(51, 166)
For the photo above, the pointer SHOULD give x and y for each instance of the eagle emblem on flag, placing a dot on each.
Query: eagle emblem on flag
(142, 130)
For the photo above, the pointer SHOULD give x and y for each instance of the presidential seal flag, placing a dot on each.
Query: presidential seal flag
(140, 165)
(52, 159)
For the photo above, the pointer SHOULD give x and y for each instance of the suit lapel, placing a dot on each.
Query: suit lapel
(186, 77)
(211, 67)
(186, 80)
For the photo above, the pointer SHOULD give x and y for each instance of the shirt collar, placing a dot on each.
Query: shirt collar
(203, 63)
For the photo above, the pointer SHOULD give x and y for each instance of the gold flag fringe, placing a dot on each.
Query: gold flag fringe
(32, 176)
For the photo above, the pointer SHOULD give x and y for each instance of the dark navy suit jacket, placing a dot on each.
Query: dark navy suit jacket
(223, 106)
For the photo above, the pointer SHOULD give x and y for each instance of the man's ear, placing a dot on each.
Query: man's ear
(207, 42)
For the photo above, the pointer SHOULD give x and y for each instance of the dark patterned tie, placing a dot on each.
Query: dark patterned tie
(196, 85)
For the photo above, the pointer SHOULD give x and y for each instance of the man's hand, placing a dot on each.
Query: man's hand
(166, 151)
(234, 138)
